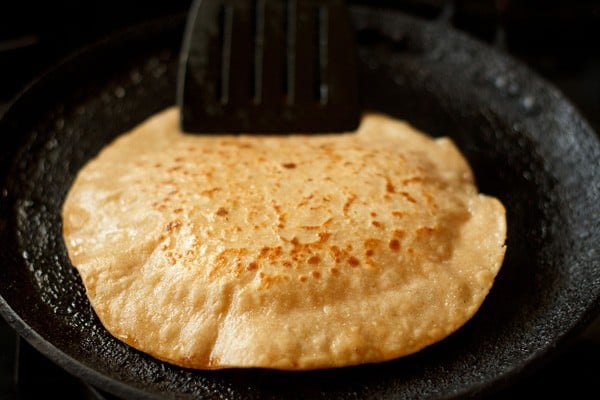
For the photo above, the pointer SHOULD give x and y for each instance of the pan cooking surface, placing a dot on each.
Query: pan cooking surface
(526, 144)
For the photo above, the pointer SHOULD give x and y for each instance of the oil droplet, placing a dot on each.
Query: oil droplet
(513, 89)
(135, 76)
(529, 105)
(527, 102)
(500, 82)
(119, 92)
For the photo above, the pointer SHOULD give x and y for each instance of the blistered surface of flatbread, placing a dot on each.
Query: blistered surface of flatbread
(288, 252)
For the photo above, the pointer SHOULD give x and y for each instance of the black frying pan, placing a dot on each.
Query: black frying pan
(527, 145)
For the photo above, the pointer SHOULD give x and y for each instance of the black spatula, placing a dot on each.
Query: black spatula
(270, 66)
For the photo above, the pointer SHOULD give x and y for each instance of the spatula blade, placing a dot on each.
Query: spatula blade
(268, 66)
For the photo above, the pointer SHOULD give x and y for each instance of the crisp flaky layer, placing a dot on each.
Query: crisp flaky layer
(289, 252)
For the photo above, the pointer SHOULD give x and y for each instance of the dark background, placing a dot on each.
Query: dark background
(557, 39)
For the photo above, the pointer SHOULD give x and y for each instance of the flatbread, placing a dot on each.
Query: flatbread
(287, 252)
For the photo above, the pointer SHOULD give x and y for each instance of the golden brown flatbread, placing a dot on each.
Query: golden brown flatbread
(287, 252)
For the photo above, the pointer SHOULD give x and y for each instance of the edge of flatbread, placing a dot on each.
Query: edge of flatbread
(288, 252)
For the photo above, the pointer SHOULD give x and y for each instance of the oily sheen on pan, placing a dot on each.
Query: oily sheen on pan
(289, 252)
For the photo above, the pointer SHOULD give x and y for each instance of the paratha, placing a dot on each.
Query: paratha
(282, 251)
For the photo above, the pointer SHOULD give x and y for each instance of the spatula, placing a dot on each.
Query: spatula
(268, 66)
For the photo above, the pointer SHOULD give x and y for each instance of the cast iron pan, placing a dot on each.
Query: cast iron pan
(527, 145)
